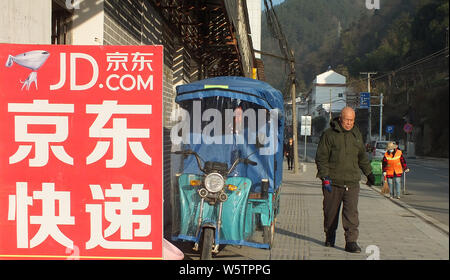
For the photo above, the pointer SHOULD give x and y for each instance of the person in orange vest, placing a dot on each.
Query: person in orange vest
(394, 164)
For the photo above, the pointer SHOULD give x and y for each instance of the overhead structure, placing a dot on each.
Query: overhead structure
(214, 32)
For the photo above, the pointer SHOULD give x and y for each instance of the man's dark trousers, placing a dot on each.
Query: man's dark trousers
(348, 196)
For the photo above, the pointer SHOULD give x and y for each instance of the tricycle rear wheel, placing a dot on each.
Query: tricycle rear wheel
(269, 233)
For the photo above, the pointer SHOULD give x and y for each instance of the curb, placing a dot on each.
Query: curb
(429, 220)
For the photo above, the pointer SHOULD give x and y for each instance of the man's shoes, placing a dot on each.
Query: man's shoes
(352, 247)
(330, 239)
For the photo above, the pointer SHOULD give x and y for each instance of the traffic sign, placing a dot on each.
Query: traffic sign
(364, 100)
(306, 120)
(390, 129)
(408, 128)
(306, 126)
(305, 131)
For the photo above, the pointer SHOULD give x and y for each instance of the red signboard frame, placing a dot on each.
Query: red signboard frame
(81, 152)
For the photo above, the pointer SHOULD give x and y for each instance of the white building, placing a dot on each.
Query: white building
(329, 90)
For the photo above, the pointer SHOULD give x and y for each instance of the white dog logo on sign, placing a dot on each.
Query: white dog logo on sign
(32, 60)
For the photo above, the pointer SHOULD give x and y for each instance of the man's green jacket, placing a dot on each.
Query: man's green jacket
(341, 155)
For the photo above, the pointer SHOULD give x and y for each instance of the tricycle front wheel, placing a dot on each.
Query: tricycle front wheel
(208, 238)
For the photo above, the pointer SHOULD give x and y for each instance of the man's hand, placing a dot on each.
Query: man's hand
(326, 184)
(370, 179)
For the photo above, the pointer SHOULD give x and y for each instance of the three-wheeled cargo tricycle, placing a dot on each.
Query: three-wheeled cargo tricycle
(228, 151)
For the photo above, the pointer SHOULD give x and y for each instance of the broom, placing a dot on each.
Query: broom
(385, 189)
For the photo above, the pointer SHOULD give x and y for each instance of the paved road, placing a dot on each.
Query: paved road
(427, 187)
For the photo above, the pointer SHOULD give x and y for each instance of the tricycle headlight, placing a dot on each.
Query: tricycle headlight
(214, 182)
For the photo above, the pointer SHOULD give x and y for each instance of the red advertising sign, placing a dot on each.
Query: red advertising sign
(81, 152)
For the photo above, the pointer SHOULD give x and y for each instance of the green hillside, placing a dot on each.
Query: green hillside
(311, 27)
(406, 42)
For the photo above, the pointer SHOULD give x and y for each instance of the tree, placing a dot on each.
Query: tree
(319, 124)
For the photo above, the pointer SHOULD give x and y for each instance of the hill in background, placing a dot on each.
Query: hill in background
(406, 42)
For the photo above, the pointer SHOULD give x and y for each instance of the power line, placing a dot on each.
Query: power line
(405, 67)
(277, 32)
(414, 63)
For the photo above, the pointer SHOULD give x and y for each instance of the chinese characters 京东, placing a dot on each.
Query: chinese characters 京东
(44, 142)
(119, 60)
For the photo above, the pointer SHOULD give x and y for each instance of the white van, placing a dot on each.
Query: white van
(378, 150)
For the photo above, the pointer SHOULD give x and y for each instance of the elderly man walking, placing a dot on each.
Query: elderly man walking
(339, 158)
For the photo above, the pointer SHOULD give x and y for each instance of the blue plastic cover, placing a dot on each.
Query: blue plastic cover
(250, 91)
(242, 88)
(227, 153)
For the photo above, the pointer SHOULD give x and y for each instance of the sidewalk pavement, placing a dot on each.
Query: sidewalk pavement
(388, 230)
(396, 232)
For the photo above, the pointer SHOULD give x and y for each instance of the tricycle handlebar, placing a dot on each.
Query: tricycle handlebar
(190, 152)
(235, 163)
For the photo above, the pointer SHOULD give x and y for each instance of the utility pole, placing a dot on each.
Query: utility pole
(289, 58)
(370, 109)
(381, 114)
(294, 111)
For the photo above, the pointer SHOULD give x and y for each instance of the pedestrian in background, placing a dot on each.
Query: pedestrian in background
(289, 152)
(394, 164)
(340, 156)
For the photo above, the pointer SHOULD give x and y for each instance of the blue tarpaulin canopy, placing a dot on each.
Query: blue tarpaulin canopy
(250, 90)
(270, 166)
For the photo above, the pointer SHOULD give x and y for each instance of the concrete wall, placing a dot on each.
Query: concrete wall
(322, 96)
(87, 23)
(237, 11)
(254, 14)
(25, 21)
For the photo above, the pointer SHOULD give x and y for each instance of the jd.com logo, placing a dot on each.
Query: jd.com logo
(373, 4)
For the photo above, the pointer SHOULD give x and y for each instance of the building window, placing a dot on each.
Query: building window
(340, 95)
(61, 22)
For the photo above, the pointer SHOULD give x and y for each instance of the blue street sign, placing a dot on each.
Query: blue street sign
(390, 129)
(364, 100)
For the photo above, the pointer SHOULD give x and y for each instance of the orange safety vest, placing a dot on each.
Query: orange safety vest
(393, 163)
